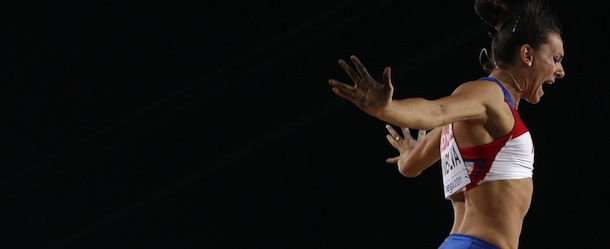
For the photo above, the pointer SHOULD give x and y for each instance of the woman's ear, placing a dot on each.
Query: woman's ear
(526, 54)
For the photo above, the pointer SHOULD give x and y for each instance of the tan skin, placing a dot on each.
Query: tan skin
(493, 211)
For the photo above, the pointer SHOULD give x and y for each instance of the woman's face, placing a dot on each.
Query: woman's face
(545, 68)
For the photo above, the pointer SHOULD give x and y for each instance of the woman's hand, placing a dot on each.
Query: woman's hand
(404, 144)
(366, 93)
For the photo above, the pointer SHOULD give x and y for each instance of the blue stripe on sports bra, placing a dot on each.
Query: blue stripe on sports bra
(506, 94)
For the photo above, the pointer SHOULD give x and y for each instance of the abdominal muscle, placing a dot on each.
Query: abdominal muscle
(493, 211)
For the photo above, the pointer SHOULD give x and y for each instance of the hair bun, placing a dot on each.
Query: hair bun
(493, 12)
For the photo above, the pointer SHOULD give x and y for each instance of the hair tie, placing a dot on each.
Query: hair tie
(499, 25)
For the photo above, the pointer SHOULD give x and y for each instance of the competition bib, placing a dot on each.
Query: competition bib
(455, 175)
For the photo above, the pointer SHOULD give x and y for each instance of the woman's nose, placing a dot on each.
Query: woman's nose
(560, 73)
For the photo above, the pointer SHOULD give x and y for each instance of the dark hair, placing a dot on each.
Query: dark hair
(515, 22)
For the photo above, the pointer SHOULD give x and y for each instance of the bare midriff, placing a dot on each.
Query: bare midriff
(494, 211)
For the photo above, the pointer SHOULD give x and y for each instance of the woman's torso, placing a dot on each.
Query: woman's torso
(499, 159)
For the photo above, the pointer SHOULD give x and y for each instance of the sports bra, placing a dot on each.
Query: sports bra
(508, 157)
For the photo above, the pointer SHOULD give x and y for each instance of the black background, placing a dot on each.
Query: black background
(194, 124)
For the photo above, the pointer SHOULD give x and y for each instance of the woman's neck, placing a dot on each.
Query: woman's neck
(510, 83)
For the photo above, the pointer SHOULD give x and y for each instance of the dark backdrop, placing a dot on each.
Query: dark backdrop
(194, 124)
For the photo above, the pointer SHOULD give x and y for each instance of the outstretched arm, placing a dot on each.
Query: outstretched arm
(375, 99)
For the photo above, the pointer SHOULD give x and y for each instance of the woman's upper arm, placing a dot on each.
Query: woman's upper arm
(467, 102)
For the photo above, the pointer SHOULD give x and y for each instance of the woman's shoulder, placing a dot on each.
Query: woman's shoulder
(481, 88)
